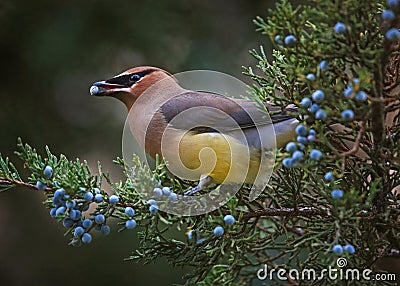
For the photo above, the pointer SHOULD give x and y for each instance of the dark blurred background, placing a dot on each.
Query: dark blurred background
(51, 52)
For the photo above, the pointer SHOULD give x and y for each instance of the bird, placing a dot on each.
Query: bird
(204, 136)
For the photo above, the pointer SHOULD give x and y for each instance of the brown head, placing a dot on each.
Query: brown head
(130, 84)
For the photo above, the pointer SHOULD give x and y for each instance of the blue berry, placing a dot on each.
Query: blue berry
(59, 193)
(67, 223)
(173, 197)
(301, 130)
(99, 219)
(166, 191)
(85, 207)
(105, 229)
(47, 172)
(130, 224)
(113, 199)
(311, 138)
(278, 39)
(290, 40)
(78, 214)
(312, 132)
(323, 65)
(229, 219)
(88, 196)
(129, 211)
(306, 102)
(157, 192)
(329, 177)
(393, 34)
(361, 96)
(86, 238)
(318, 95)
(347, 115)
(78, 231)
(337, 248)
(219, 231)
(152, 202)
(60, 210)
(73, 214)
(314, 108)
(291, 147)
(302, 139)
(40, 186)
(288, 162)
(96, 190)
(315, 154)
(94, 90)
(310, 76)
(320, 114)
(70, 204)
(337, 194)
(98, 198)
(53, 212)
(190, 234)
(57, 202)
(153, 209)
(387, 15)
(348, 91)
(392, 3)
(339, 28)
(87, 223)
(349, 248)
(297, 155)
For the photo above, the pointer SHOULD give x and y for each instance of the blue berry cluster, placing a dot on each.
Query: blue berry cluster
(47, 174)
(161, 193)
(68, 207)
(317, 97)
(336, 193)
(339, 249)
(229, 220)
(218, 231)
(304, 136)
(352, 90)
(388, 15)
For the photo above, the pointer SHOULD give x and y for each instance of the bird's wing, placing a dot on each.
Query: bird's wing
(212, 112)
(203, 112)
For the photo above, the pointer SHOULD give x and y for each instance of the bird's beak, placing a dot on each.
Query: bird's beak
(103, 88)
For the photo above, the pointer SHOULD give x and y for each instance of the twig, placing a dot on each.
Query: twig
(17, 183)
(356, 145)
(306, 211)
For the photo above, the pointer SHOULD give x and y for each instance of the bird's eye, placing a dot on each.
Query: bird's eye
(135, 77)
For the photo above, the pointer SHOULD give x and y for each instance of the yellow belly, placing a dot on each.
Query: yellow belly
(221, 157)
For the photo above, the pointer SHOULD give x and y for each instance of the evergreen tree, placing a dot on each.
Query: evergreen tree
(332, 198)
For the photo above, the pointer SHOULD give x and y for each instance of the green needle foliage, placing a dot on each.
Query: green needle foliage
(304, 214)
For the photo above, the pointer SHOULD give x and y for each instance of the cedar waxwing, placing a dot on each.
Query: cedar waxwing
(180, 124)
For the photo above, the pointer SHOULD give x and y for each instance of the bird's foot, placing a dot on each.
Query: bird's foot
(204, 182)
(192, 191)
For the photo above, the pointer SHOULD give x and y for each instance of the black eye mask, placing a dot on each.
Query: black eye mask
(129, 79)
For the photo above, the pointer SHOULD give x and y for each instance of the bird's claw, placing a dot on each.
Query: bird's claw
(192, 191)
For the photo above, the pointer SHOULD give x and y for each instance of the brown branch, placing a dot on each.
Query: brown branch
(356, 145)
(16, 183)
(305, 211)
